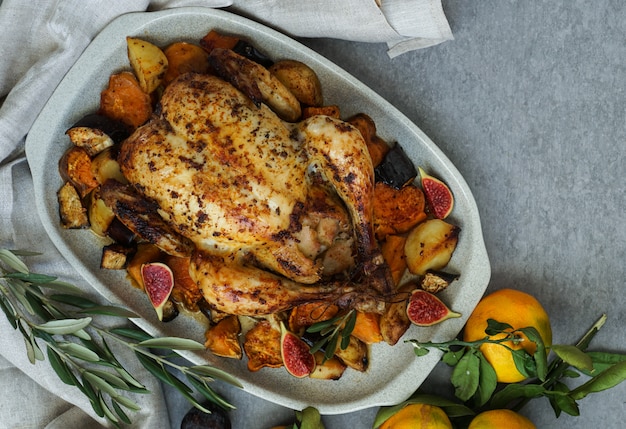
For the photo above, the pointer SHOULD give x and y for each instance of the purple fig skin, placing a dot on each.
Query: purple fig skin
(425, 309)
(158, 281)
(296, 354)
(438, 195)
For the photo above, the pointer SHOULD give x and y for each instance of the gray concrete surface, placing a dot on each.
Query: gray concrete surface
(529, 102)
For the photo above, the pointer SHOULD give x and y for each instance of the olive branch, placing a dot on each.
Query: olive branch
(475, 379)
(53, 313)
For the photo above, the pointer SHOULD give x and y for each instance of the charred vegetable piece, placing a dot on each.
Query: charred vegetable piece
(197, 419)
(119, 233)
(262, 346)
(246, 49)
(170, 311)
(92, 140)
(396, 169)
(124, 100)
(327, 369)
(300, 79)
(116, 130)
(71, 210)
(148, 62)
(394, 322)
(75, 167)
(116, 256)
(396, 211)
(429, 246)
(183, 57)
(214, 39)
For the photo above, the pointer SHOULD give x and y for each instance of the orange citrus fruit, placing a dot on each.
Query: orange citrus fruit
(518, 309)
(422, 416)
(500, 419)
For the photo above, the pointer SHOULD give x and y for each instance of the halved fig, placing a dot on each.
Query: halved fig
(296, 354)
(438, 195)
(425, 309)
(158, 281)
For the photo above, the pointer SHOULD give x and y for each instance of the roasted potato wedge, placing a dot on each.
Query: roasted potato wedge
(329, 369)
(429, 246)
(148, 62)
(92, 140)
(71, 210)
(394, 322)
(105, 166)
(100, 215)
(355, 355)
(300, 79)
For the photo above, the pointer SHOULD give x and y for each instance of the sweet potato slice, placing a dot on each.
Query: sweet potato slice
(222, 339)
(393, 253)
(125, 101)
(330, 110)
(397, 210)
(214, 39)
(184, 58)
(367, 327)
(306, 315)
(185, 290)
(262, 346)
(75, 167)
(376, 146)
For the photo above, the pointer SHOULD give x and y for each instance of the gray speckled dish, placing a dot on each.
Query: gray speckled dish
(394, 372)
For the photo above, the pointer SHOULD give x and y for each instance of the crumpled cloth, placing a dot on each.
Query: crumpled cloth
(41, 39)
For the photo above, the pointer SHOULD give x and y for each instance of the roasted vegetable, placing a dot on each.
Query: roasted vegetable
(376, 146)
(105, 166)
(327, 369)
(75, 167)
(145, 253)
(331, 110)
(397, 210)
(222, 339)
(115, 129)
(183, 57)
(394, 322)
(429, 246)
(355, 355)
(367, 327)
(148, 62)
(124, 100)
(115, 256)
(214, 39)
(71, 210)
(396, 169)
(100, 215)
(262, 346)
(305, 315)
(92, 140)
(300, 79)
(186, 291)
(392, 250)
(249, 51)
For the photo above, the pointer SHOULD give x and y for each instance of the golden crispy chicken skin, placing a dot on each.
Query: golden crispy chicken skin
(260, 198)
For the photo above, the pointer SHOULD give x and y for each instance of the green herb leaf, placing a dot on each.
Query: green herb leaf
(133, 334)
(13, 261)
(574, 356)
(465, 376)
(120, 413)
(494, 327)
(603, 360)
(215, 373)
(487, 381)
(173, 343)
(60, 367)
(8, 310)
(31, 277)
(608, 378)
(512, 392)
(451, 357)
(561, 401)
(78, 351)
(524, 363)
(64, 326)
(110, 310)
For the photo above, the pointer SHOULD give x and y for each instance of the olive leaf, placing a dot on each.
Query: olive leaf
(64, 326)
(13, 261)
(173, 343)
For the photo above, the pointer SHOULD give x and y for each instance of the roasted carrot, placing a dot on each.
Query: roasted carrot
(183, 57)
(125, 101)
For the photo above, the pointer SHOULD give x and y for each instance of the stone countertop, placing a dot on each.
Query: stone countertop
(529, 102)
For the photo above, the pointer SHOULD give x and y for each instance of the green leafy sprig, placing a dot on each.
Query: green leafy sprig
(333, 332)
(77, 348)
(475, 380)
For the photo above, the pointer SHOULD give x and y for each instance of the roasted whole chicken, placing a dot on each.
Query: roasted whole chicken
(274, 213)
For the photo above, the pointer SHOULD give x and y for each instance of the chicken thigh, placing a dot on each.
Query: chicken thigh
(261, 199)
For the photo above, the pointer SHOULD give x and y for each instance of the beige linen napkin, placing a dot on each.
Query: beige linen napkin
(41, 39)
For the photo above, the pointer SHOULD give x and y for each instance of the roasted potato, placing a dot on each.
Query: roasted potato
(300, 79)
(71, 210)
(100, 215)
(105, 166)
(394, 321)
(327, 369)
(148, 62)
(429, 246)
